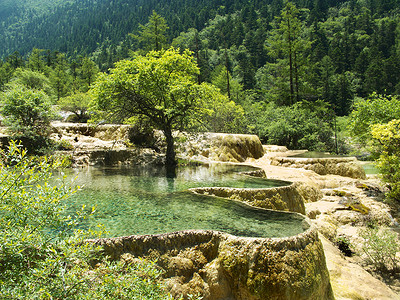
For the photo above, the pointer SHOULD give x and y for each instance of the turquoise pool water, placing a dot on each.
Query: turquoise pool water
(137, 201)
(316, 154)
(370, 169)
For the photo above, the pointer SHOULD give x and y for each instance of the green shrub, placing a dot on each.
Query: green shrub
(42, 251)
(377, 109)
(64, 145)
(78, 104)
(26, 110)
(381, 246)
(296, 127)
(27, 114)
(387, 137)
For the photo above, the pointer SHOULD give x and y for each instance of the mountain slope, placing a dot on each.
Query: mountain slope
(81, 26)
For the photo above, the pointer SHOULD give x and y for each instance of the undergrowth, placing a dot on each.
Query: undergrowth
(43, 253)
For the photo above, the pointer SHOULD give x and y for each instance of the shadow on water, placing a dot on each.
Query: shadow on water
(142, 200)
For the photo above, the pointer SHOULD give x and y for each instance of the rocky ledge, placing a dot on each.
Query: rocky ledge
(215, 265)
(115, 145)
(347, 205)
(284, 198)
(346, 166)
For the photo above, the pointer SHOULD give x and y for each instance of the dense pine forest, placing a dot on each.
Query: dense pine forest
(285, 64)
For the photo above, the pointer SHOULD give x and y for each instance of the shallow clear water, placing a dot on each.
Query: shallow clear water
(136, 201)
(370, 169)
(316, 154)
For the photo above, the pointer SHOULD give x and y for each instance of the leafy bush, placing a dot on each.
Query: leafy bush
(78, 104)
(42, 252)
(26, 110)
(32, 80)
(377, 109)
(64, 145)
(296, 127)
(27, 114)
(381, 246)
(387, 137)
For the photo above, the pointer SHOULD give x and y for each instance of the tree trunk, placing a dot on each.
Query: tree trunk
(296, 76)
(170, 155)
(198, 57)
(228, 88)
(290, 63)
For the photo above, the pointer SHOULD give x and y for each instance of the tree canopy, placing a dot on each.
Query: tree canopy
(160, 87)
(152, 36)
(26, 110)
(377, 109)
(287, 45)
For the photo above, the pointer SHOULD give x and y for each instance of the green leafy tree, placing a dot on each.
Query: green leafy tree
(32, 80)
(88, 73)
(221, 77)
(186, 40)
(160, 86)
(191, 40)
(27, 114)
(341, 94)
(26, 110)
(288, 47)
(59, 77)
(377, 109)
(326, 73)
(6, 73)
(245, 68)
(388, 138)
(15, 60)
(36, 60)
(219, 114)
(152, 35)
(78, 104)
(375, 76)
(301, 126)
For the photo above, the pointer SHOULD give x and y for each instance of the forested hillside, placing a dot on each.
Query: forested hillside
(80, 26)
(286, 64)
(353, 36)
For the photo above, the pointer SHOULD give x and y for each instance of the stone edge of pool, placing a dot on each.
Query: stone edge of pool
(342, 166)
(290, 197)
(283, 198)
(218, 265)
